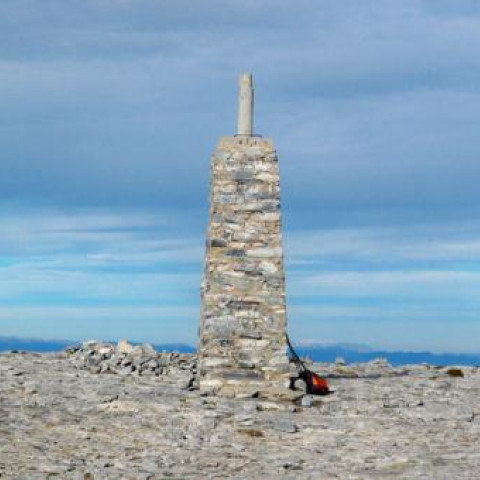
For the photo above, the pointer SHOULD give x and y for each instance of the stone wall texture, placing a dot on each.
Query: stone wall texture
(243, 320)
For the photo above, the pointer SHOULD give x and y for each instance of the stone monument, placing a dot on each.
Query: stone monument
(242, 343)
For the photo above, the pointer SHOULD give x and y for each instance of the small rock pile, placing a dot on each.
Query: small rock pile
(179, 369)
(375, 368)
(141, 360)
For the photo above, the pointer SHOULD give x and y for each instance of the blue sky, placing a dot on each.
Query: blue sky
(109, 111)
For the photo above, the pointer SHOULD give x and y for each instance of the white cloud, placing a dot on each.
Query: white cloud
(96, 256)
(77, 286)
(442, 243)
(414, 284)
(373, 107)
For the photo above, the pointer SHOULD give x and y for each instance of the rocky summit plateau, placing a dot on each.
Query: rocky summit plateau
(101, 411)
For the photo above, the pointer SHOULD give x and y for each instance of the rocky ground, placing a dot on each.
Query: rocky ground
(68, 416)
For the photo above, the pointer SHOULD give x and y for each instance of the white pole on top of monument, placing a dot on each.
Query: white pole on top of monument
(245, 105)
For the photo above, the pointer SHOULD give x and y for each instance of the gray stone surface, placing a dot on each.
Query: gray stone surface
(243, 321)
(60, 421)
(140, 360)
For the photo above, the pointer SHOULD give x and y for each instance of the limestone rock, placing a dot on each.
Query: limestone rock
(406, 422)
(124, 347)
(141, 360)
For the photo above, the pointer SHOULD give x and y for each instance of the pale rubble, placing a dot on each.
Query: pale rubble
(59, 419)
(140, 360)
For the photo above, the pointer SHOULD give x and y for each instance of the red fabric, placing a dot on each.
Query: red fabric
(319, 384)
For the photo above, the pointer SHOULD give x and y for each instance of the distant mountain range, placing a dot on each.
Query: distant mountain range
(318, 352)
(361, 353)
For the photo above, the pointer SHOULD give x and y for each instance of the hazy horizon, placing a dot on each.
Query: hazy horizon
(303, 346)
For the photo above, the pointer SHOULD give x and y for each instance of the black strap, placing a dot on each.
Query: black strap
(300, 365)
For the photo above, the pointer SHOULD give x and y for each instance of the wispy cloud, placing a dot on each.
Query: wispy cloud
(90, 271)
(110, 110)
(97, 268)
(440, 243)
(372, 106)
(435, 286)
(150, 324)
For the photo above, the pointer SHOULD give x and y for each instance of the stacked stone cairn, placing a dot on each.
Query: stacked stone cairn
(242, 343)
(140, 360)
(242, 347)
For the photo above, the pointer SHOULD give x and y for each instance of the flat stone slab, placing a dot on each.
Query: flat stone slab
(59, 421)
